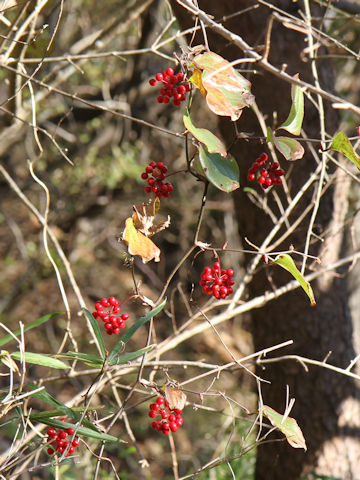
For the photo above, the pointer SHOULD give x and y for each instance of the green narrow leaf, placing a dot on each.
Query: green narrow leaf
(97, 332)
(86, 432)
(39, 417)
(294, 121)
(223, 173)
(342, 144)
(35, 323)
(39, 359)
(44, 396)
(128, 357)
(91, 360)
(212, 142)
(285, 261)
(130, 332)
(287, 426)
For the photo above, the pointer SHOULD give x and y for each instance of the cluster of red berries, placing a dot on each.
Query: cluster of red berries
(155, 176)
(266, 172)
(171, 419)
(57, 440)
(108, 309)
(171, 87)
(217, 282)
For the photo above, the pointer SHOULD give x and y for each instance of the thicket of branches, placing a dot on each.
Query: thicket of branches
(79, 124)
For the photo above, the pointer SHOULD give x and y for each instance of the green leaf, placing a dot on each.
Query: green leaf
(212, 143)
(285, 261)
(223, 173)
(31, 325)
(39, 417)
(130, 332)
(342, 144)
(289, 147)
(287, 426)
(39, 359)
(44, 396)
(97, 332)
(128, 357)
(228, 92)
(90, 360)
(294, 121)
(86, 432)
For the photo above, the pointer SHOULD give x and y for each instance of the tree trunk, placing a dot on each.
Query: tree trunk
(326, 407)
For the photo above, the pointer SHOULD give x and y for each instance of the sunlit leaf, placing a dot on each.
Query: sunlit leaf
(97, 332)
(342, 144)
(144, 217)
(294, 121)
(286, 262)
(289, 147)
(89, 359)
(139, 244)
(223, 173)
(39, 359)
(175, 397)
(287, 426)
(195, 79)
(5, 358)
(228, 92)
(29, 326)
(211, 141)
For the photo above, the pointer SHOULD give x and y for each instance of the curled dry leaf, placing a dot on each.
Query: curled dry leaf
(144, 216)
(175, 397)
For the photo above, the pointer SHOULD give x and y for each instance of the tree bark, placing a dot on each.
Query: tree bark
(327, 407)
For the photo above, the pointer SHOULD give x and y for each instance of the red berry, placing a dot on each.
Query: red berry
(62, 434)
(166, 99)
(160, 401)
(61, 449)
(251, 177)
(153, 82)
(261, 180)
(75, 442)
(152, 414)
(159, 76)
(173, 426)
(124, 316)
(50, 451)
(170, 71)
(160, 99)
(144, 176)
(268, 181)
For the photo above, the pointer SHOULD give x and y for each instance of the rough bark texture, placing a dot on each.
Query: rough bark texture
(326, 407)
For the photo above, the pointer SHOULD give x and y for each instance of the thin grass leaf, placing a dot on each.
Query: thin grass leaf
(130, 332)
(31, 325)
(39, 359)
(90, 360)
(294, 121)
(97, 332)
(86, 432)
(128, 357)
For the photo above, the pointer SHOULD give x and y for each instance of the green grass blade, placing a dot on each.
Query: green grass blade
(97, 332)
(39, 359)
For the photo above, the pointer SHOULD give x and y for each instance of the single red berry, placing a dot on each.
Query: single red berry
(51, 431)
(160, 99)
(166, 99)
(75, 442)
(261, 180)
(160, 401)
(144, 176)
(173, 427)
(62, 434)
(50, 451)
(170, 71)
(251, 177)
(153, 82)
(268, 181)
(124, 316)
(159, 77)
(71, 450)
(152, 413)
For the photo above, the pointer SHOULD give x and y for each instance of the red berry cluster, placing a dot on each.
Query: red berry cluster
(108, 309)
(155, 176)
(57, 440)
(171, 419)
(266, 172)
(170, 89)
(217, 282)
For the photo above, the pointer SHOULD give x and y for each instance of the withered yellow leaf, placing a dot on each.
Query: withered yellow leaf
(195, 79)
(139, 244)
